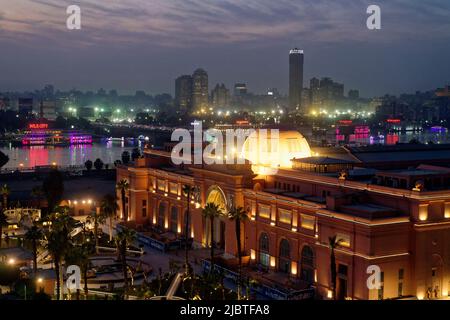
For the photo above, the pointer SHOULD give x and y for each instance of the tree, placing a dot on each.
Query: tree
(79, 255)
(3, 223)
(125, 157)
(211, 212)
(123, 186)
(135, 154)
(5, 191)
(238, 215)
(88, 164)
(188, 191)
(98, 164)
(38, 193)
(57, 246)
(34, 234)
(333, 242)
(53, 187)
(58, 241)
(109, 208)
(3, 159)
(123, 239)
(98, 219)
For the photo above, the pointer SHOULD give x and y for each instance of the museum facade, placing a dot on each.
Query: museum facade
(397, 220)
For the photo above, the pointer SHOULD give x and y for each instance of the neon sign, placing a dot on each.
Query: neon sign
(393, 120)
(38, 126)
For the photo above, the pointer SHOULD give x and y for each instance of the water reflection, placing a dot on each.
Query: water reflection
(107, 151)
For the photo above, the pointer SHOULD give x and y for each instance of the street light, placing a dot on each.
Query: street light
(11, 261)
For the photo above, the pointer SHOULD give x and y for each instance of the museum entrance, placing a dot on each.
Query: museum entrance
(217, 197)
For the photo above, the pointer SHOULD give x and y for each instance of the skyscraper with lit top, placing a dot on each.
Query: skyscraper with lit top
(296, 60)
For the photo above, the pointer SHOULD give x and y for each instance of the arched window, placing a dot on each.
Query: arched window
(162, 215)
(264, 257)
(284, 256)
(307, 264)
(174, 219)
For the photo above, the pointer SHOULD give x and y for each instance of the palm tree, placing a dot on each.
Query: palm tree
(34, 234)
(123, 186)
(3, 223)
(57, 245)
(58, 241)
(238, 215)
(123, 239)
(98, 219)
(79, 255)
(5, 192)
(109, 208)
(333, 243)
(53, 187)
(187, 191)
(211, 212)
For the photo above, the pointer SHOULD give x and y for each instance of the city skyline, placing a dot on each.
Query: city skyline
(137, 46)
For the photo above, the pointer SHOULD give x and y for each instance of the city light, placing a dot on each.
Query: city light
(11, 261)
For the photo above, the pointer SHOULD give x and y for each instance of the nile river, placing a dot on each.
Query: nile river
(107, 151)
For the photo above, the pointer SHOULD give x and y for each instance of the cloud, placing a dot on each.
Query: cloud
(181, 23)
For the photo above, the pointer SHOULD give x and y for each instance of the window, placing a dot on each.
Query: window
(344, 239)
(173, 188)
(162, 215)
(307, 222)
(285, 255)
(264, 257)
(401, 275)
(144, 208)
(264, 211)
(285, 216)
(162, 185)
(174, 220)
(307, 264)
(153, 182)
(400, 289)
(342, 282)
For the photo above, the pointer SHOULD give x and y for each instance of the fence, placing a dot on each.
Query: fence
(260, 288)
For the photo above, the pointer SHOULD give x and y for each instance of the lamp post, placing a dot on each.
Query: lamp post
(96, 215)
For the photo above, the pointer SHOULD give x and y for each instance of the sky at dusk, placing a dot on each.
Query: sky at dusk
(132, 45)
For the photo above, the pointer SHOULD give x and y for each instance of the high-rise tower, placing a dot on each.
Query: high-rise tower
(296, 60)
(199, 90)
(183, 92)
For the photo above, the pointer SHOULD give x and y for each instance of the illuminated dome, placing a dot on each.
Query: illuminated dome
(266, 155)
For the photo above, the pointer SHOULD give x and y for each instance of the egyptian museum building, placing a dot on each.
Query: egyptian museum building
(389, 207)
